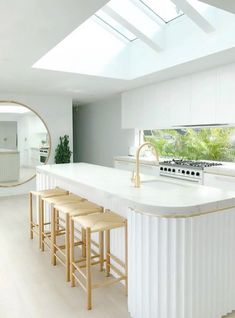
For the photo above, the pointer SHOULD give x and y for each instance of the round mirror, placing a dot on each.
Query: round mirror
(24, 143)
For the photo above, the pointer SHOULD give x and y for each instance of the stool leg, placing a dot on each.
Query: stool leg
(83, 242)
(126, 258)
(53, 236)
(88, 267)
(72, 253)
(107, 241)
(57, 222)
(31, 215)
(40, 221)
(67, 258)
(42, 226)
(101, 250)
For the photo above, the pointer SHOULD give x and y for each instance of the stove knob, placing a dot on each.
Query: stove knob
(173, 170)
(161, 168)
(165, 169)
(169, 169)
(192, 173)
(187, 172)
(183, 171)
(198, 174)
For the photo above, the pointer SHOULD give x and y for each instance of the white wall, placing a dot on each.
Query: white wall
(56, 111)
(201, 98)
(98, 136)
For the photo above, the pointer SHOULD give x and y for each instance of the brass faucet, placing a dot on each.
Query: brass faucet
(136, 174)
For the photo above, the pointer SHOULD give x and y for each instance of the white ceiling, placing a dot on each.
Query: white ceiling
(30, 28)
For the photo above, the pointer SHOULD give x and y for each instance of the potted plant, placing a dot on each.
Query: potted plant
(63, 152)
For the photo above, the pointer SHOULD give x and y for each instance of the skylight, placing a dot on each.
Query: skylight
(134, 15)
(117, 27)
(165, 9)
(90, 49)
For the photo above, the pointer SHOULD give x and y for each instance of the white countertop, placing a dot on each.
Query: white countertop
(143, 160)
(227, 169)
(7, 151)
(155, 196)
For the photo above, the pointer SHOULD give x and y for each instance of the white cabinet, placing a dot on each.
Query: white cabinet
(157, 106)
(219, 181)
(201, 98)
(204, 98)
(130, 166)
(34, 157)
(225, 111)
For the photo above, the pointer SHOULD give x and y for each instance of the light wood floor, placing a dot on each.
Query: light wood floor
(31, 288)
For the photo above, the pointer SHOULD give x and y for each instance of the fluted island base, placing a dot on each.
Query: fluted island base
(182, 267)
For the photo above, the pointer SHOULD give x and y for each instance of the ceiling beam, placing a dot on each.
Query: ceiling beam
(194, 15)
(226, 5)
(132, 29)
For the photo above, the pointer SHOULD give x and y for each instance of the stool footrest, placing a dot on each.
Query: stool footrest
(80, 283)
(116, 259)
(108, 282)
(60, 259)
(84, 259)
(116, 270)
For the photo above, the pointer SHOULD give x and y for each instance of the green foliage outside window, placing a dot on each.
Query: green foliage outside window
(195, 143)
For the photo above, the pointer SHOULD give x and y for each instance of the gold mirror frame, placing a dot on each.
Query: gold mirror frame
(49, 136)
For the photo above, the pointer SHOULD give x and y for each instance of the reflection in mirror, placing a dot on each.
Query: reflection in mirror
(24, 143)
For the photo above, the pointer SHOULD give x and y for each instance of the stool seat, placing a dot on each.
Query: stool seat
(80, 269)
(49, 193)
(100, 221)
(63, 198)
(78, 208)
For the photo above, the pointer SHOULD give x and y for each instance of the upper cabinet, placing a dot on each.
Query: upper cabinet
(204, 98)
(225, 108)
(201, 98)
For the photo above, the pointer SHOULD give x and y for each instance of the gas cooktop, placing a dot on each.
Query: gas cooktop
(191, 170)
(190, 163)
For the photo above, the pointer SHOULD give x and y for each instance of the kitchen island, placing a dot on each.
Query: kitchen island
(181, 238)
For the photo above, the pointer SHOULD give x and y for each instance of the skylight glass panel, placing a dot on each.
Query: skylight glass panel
(165, 9)
(134, 15)
(117, 27)
(90, 49)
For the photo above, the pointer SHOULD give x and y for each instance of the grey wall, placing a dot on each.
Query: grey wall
(98, 136)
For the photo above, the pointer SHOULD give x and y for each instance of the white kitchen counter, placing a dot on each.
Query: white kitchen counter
(8, 151)
(179, 266)
(157, 195)
(143, 160)
(227, 169)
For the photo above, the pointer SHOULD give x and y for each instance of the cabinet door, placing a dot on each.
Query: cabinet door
(225, 111)
(204, 98)
(218, 181)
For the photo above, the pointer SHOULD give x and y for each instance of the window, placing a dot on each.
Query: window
(194, 143)
(165, 9)
(117, 27)
(134, 15)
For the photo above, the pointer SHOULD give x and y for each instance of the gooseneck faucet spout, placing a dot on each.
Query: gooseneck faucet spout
(136, 176)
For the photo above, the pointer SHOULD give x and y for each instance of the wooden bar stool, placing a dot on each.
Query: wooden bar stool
(35, 226)
(51, 201)
(63, 212)
(92, 223)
